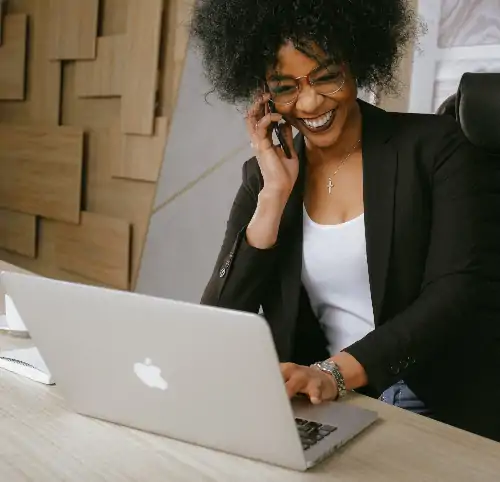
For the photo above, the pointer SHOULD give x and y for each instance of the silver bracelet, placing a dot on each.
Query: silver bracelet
(330, 367)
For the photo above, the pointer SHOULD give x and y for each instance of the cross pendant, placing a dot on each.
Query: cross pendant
(330, 185)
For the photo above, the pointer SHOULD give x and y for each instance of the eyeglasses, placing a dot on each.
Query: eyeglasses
(325, 80)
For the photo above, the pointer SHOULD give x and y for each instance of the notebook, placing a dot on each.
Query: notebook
(24, 361)
(28, 363)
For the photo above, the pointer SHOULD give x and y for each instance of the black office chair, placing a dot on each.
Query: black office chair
(448, 107)
(478, 110)
(476, 106)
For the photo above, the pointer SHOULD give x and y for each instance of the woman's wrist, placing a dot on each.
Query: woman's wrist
(262, 231)
(352, 371)
(273, 199)
(335, 377)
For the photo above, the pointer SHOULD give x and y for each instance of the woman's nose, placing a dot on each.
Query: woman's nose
(308, 100)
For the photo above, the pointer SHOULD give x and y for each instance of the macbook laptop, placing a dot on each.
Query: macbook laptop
(202, 375)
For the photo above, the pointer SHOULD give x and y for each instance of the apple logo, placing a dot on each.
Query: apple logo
(150, 374)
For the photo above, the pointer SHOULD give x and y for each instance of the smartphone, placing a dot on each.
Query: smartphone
(279, 135)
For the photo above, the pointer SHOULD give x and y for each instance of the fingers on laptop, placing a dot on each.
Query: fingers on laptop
(307, 381)
(295, 379)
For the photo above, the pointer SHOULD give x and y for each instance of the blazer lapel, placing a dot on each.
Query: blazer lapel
(380, 161)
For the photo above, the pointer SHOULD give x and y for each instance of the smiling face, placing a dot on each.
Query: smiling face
(321, 117)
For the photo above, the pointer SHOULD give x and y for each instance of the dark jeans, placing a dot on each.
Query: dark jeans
(401, 396)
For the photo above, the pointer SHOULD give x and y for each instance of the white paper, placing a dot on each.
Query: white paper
(37, 370)
(14, 320)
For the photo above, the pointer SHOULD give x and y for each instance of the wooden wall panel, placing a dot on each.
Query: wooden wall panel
(173, 52)
(2, 14)
(102, 77)
(73, 29)
(52, 99)
(43, 88)
(113, 19)
(13, 57)
(41, 170)
(140, 157)
(45, 262)
(140, 77)
(120, 198)
(18, 232)
(98, 248)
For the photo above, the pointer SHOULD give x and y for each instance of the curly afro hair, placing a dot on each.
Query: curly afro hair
(239, 39)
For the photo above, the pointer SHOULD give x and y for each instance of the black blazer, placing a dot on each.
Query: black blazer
(433, 260)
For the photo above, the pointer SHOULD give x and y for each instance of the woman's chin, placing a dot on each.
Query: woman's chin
(326, 138)
(322, 140)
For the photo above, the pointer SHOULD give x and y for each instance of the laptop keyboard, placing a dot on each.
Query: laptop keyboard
(312, 432)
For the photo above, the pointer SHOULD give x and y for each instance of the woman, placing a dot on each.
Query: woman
(364, 248)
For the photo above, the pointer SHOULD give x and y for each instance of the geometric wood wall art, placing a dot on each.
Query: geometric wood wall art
(41, 170)
(43, 102)
(142, 46)
(18, 232)
(41, 162)
(139, 157)
(73, 29)
(2, 13)
(13, 57)
(102, 77)
(98, 248)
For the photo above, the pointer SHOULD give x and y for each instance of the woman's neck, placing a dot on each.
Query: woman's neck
(347, 141)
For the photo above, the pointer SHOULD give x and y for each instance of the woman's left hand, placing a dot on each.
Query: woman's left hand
(316, 384)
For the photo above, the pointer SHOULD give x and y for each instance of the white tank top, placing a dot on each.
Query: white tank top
(335, 276)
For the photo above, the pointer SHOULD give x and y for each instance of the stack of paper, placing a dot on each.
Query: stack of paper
(24, 361)
(28, 363)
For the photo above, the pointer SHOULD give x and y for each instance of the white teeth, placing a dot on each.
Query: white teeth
(319, 121)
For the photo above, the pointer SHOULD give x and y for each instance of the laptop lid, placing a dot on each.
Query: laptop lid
(200, 374)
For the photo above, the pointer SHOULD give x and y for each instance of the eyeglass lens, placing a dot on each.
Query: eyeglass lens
(327, 80)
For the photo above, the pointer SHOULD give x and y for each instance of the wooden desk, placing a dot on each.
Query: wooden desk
(42, 441)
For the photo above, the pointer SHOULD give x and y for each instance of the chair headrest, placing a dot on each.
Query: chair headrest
(478, 110)
(448, 107)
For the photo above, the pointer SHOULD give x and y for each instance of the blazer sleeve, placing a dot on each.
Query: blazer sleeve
(241, 270)
(454, 288)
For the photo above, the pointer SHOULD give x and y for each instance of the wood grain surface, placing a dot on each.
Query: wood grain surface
(41, 170)
(13, 57)
(42, 101)
(102, 77)
(18, 232)
(98, 248)
(140, 157)
(141, 72)
(73, 29)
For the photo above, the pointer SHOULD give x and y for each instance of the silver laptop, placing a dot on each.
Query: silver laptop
(202, 375)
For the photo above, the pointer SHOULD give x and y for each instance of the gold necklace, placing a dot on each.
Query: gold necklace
(330, 184)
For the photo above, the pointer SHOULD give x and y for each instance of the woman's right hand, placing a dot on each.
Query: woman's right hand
(279, 174)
